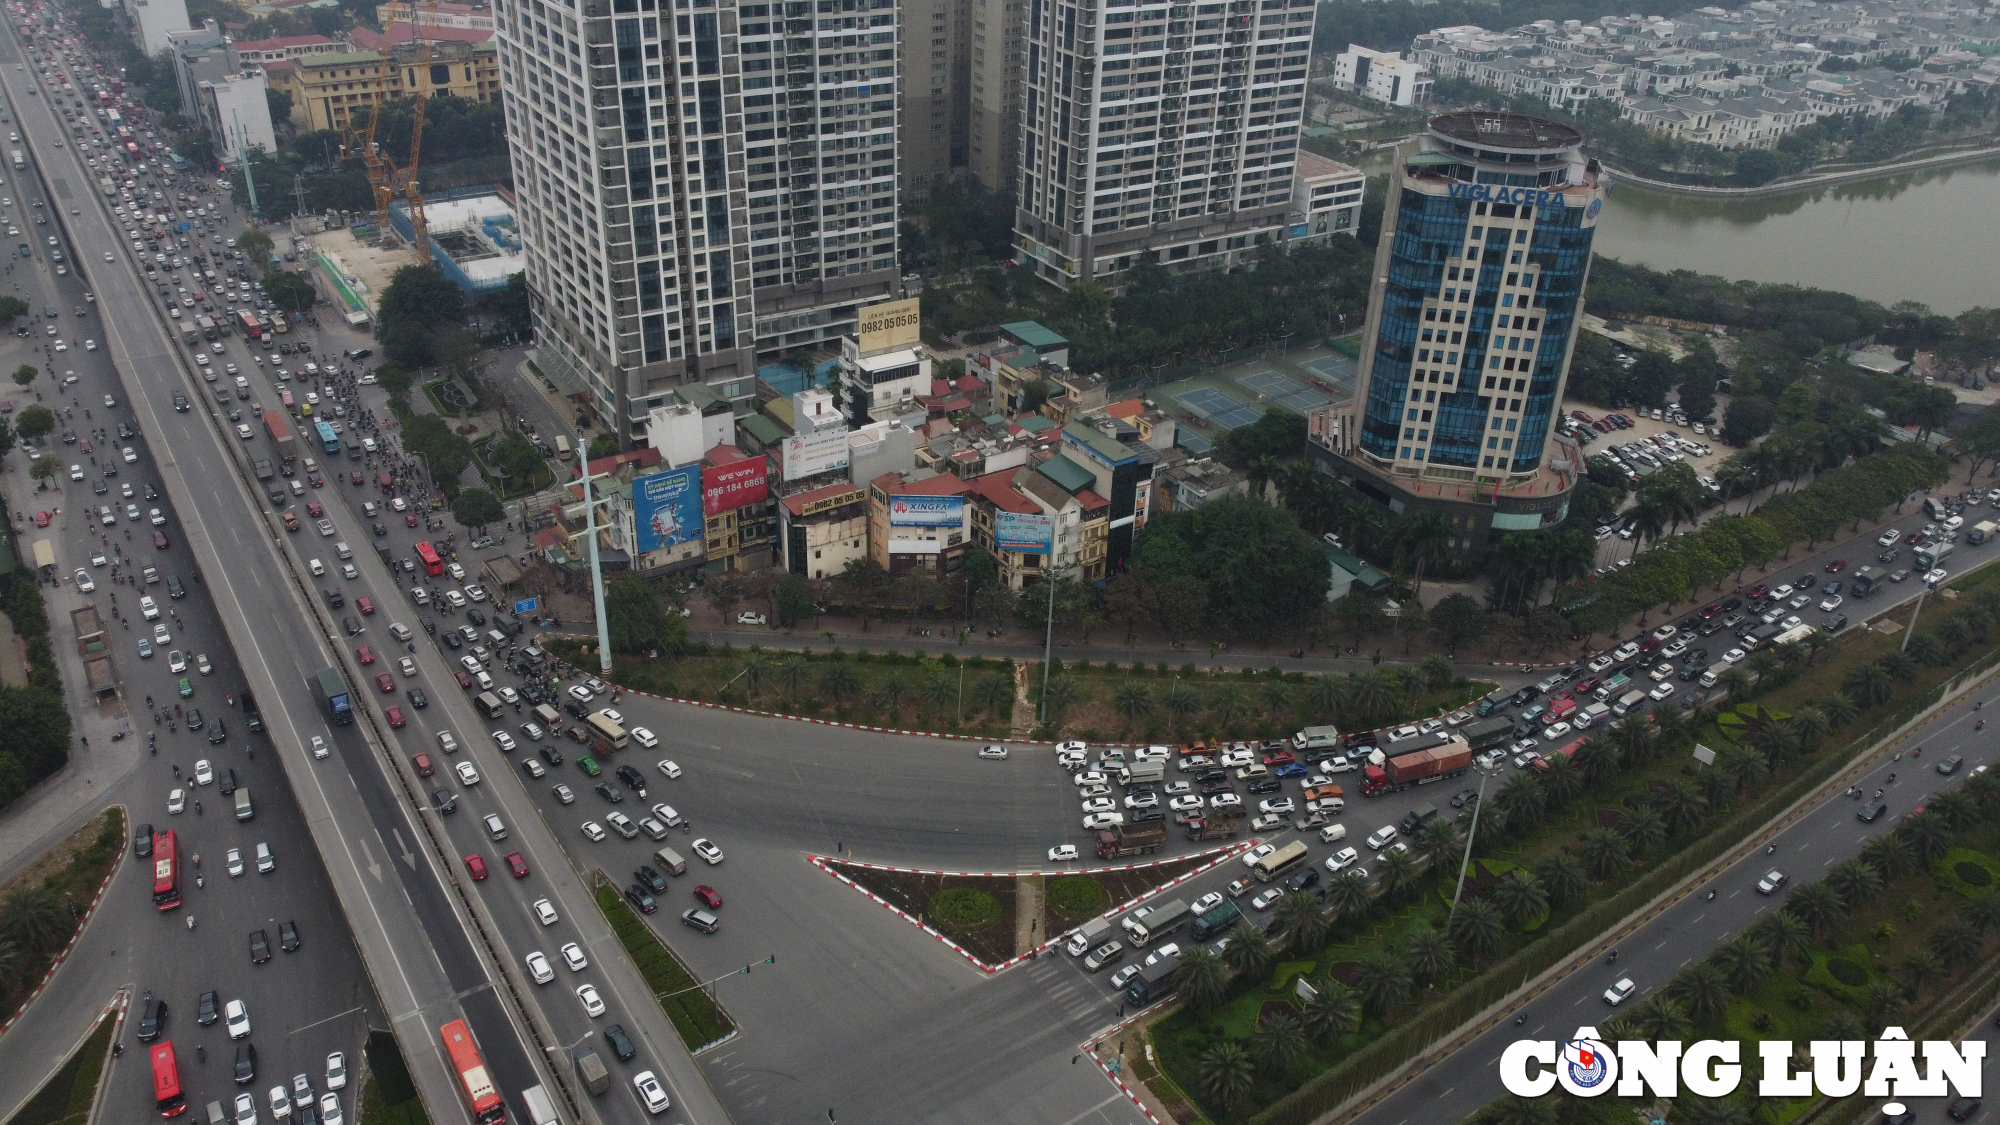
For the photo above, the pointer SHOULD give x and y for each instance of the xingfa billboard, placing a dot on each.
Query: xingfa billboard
(926, 511)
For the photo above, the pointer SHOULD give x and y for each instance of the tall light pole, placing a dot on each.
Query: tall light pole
(1914, 610)
(590, 530)
(1466, 862)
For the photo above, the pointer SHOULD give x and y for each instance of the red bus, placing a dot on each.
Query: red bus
(252, 327)
(132, 152)
(167, 1094)
(474, 1081)
(166, 871)
(427, 555)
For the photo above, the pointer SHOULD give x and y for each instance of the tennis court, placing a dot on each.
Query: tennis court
(1337, 367)
(1217, 407)
(1285, 391)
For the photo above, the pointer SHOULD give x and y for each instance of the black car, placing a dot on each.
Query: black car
(473, 615)
(575, 709)
(1962, 1109)
(217, 731)
(227, 780)
(609, 792)
(142, 841)
(334, 598)
(288, 936)
(418, 699)
(1464, 797)
(1523, 695)
(551, 755)
(651, 879)
(180, 402)
(430, 626)
(208, 1009)
(633, 778)
(621, 1043)
(360, 353)
(453, 640)
(152, 1018)
(381, 529)
(1143, 816)
(246, 1064)
(260, 947)
(1211, 788)
(1303, 880)
(1264, 785)
(637, 895)
(174, 588)
(1950, 765)
(445, 800)
(1868, 812)
(352, 624)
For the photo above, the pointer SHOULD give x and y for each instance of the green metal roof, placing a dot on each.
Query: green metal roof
(1365, 575)
(761, 428)
(1098, 443)
(1034, 335)
(1068, 475)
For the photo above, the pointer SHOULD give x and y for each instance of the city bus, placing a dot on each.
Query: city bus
(166, 871)
(426, 554)
(474, 1080)
(328, 440)
(1279, 862)
(167, 1096)
(605, 731)
(252, 327)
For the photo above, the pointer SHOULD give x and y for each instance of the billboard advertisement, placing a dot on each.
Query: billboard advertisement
(813, 454)
(666, 508)
(726, 488)
(889, 325)
(1028, 534)
(926, 511)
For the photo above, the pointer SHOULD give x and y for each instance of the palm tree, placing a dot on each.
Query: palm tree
(33, 918)
(1665, 1018)
(1520, 802)
(994, 694)
(1982, 913)
(1838, 709)
(1437, 671)
(891, 694)
(1277, 699)
(1062, 694)
(1927, 833)
(1431, 955)
(1475, 926)
(1370, 694)
(1326, 694)
(1787, 939)
(1855, 882)
(1891, 856)
(1132, 701)
(1633, 736)
(1561, 780)
(1227, 1072)
(756, 668)
(837, 681)
(1900, 666)
(1420, 539)
(1697, 1110)
(1644, 828)
(792, 673)
(1440, 843)
(1332, 1011)
(1683, 805)
(1867, 684)
(1249, 953)
(1702, 989)
(1955, 807)
(1183, 703)
(1921, 968)
(1516, 1110)
(938, 690)
(1604, 852)
(1561, 875)
(1349, 896)
(1399, 873)
(1597, 760)
(1201, 978)
(1383, 979)
(1883, 1004)
(1227, 705)
(1818, 905)
(1955, 941)
(1519, 897)
(1302, 921)
(1280, 1040)
(1843, 1025)
(1811, 725)
(1743, 962)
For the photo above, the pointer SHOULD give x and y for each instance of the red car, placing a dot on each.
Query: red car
(476, 865)
(1587, 685)
(1836, 566)
(516, 866)
(395, 716)
(423, 764)
(1281, 758)
(464, 679)
(409, 519)
(315, 509)
(708, 897)
(365, 604)
(1757, 591)
(41, 519)
(364, 654)
(1711, 611)
(1581, 416)
(159, 540)
(355, 477)
(386, 682)
(1913, 538)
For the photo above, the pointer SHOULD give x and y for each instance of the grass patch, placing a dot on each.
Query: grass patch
(66, 1098)
(389, 1097)
(1967, 872)
(63, 879)
(1073, 899)
(962, 910)
(697, 1017)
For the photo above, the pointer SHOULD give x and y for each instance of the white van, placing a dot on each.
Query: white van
(344, 551)
(1333, 833)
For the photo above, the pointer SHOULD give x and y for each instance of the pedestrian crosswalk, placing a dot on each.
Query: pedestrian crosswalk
(1065, 987)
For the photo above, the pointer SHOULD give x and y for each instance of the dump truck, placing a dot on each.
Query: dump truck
(1152, 982)
(1122, 840)
(281, 434)
(1215, 921)
(1418, 768)
(1866, 581)
(262, 467)
(333, 691)
(1158, 922)
(1215, 825)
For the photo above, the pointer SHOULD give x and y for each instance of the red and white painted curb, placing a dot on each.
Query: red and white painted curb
(82, 925)
(830, 865)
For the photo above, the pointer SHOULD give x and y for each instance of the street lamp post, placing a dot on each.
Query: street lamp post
(1478, 803)
(1914, 611)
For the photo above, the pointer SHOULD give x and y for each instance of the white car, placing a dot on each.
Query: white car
(177, 802)
(1098, 821)
(1267, 898)
(336, 1071)
(1936, 576)
(1189, 802)
(593, 831)
(593, 1005)
(1206, 903)
(177, 661)
(544, 913)
(281, 1102)
(644, 737)
(329, 1110)
(1734, 656)
(1090, 777)
(1251, 857)
(707, 851)
(1555, 730)
(996, 752)
(1661, 693)
(650, 1094)
(667, 765)
(408, 667)
(1771, 881)
(237, 1017)
(1381, 837)
(161, 637)
(748, 618)
(1832, 603)
(468, 774)
(1099, 805)
(1618, 993)
(1281, 806)
(1345, 857)
(83, 581)
(1062, 853)
(319, 747)
(148, 608)
(538, 968)
(504, 741)
(204, 774)
(1888, 538)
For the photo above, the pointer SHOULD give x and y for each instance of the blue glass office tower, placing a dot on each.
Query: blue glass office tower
(1479, 280)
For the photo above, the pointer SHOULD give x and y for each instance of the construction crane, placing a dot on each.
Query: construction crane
(419, 224)
(381, 174)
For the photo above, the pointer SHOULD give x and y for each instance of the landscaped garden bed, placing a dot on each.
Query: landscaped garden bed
(50, 899)
(693, 1012)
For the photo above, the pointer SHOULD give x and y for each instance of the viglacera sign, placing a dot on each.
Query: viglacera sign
(1496, 193)
(1586, 1066)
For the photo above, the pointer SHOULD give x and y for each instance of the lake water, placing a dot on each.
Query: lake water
(1930, 236)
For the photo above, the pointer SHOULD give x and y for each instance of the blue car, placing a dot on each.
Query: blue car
(1290, 769)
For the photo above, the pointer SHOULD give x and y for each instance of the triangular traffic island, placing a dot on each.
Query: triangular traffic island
(997, 919)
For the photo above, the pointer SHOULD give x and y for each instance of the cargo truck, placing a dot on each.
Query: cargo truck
(1413, 821)
(1323, 737)
(1213, 826)
(1123, 840)
(1088, 936)
(1159, 922)
(1931, 554)
(1793, 635)
(1487, 733)
(1612, 688)
(1152, 983)
(1142, 772)
(1215, 921)
(1418, 768)
(333, 692)
(281, 434)
(541, 1107)
(1866, 581)
(190, 334)
(1594, 713)
(262, 467)
(1980, 532)
(590, 1071)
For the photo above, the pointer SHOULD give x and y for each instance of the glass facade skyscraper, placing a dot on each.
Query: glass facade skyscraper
(1479, 281)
